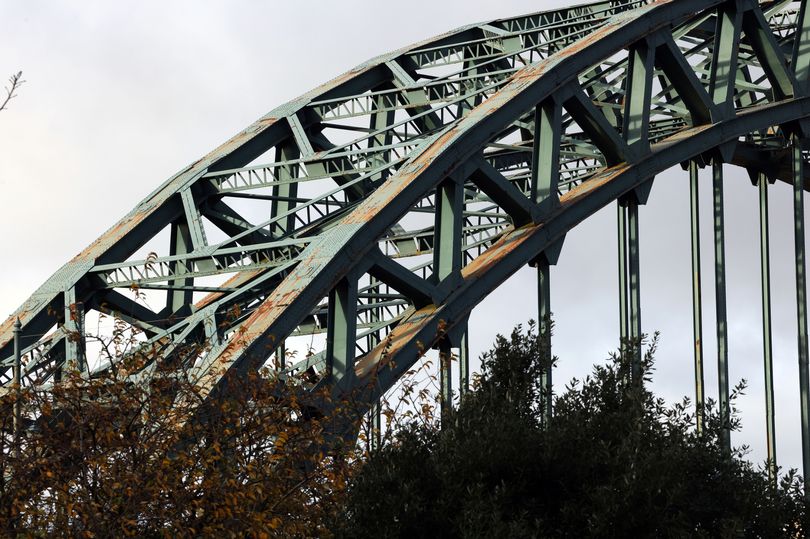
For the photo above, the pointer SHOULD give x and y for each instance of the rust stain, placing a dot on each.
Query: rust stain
(119, 230)
(234, 281)
(228, 146)
(399, 337)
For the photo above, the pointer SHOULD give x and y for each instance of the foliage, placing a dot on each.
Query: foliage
(614, 461)
(113, 456)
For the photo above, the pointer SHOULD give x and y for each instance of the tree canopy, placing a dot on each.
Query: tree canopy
(613, 461)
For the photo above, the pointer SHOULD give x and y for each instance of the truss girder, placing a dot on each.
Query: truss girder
(496, 138)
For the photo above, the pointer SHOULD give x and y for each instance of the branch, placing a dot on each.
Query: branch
(15, 81)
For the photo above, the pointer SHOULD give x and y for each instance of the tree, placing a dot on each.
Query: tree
(112, 456)
(614, 461)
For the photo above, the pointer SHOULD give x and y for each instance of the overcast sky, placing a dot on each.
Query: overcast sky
(120, 97)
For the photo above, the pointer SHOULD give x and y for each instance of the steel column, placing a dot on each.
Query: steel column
(634, 285)
(285, 193)
(544, 312)
(342, 329)
(447, 264)
(801, 48)
(16, 381)
(762, 182)
(801, 304)
(447, 235)
(638, 91)
(74, 341)
(464, 363)
(624, 334)
(720, 306)
(544, 186)
(546, 152)
(697, 306)
(372, 340)
(724, 57)
(445, 378)
(629, 284)
(281, 356)
(180, 244)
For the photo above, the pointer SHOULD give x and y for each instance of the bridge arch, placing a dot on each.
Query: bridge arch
(545, 119)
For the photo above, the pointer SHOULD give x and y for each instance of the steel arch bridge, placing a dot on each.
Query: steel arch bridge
(383, 206)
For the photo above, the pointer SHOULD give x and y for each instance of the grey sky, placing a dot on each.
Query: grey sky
(120, 97)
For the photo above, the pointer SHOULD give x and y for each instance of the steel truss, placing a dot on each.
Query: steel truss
(393, 199)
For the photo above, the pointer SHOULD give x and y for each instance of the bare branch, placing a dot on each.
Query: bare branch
(14, 83)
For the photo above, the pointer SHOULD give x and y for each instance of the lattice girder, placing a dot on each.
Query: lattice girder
(523, 128)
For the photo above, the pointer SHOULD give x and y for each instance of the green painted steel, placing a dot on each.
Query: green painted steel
(801, 300)
(544, 328)
(340, 353)
(15, 381)
(697, 304)
(634, 286)
(464, 364)
(397, 196)
(624, 300)
(721, 321)
(767, 345)
(445, 378)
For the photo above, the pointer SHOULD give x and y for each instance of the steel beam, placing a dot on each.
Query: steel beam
(544, 327)
(697, 305)
(464, 363)
(726, 48)
(16, 382)
(624, 301)
(801, 54)
(634, 285)
(447, 238)
(801, 303)
(445, 378)
(74, 326)
(285, 191)
(767, 346)
(372, 340)
(342, 329)
(670, 59)
(546, 152)
(180, 244)
(720, 306)
(447, 264)
(638, 92)
(769, 52)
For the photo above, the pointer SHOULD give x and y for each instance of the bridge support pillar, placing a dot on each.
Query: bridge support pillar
(447, 260)
(544, 188)
(697, 303)
(720, 306)
(629, 284)
(445, 379)
(464, 363)
(17, 383)
(281, 356)
(544, 328)
(767, 346)
(801, 304)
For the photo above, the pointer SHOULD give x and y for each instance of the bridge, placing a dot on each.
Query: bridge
(380, 208)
